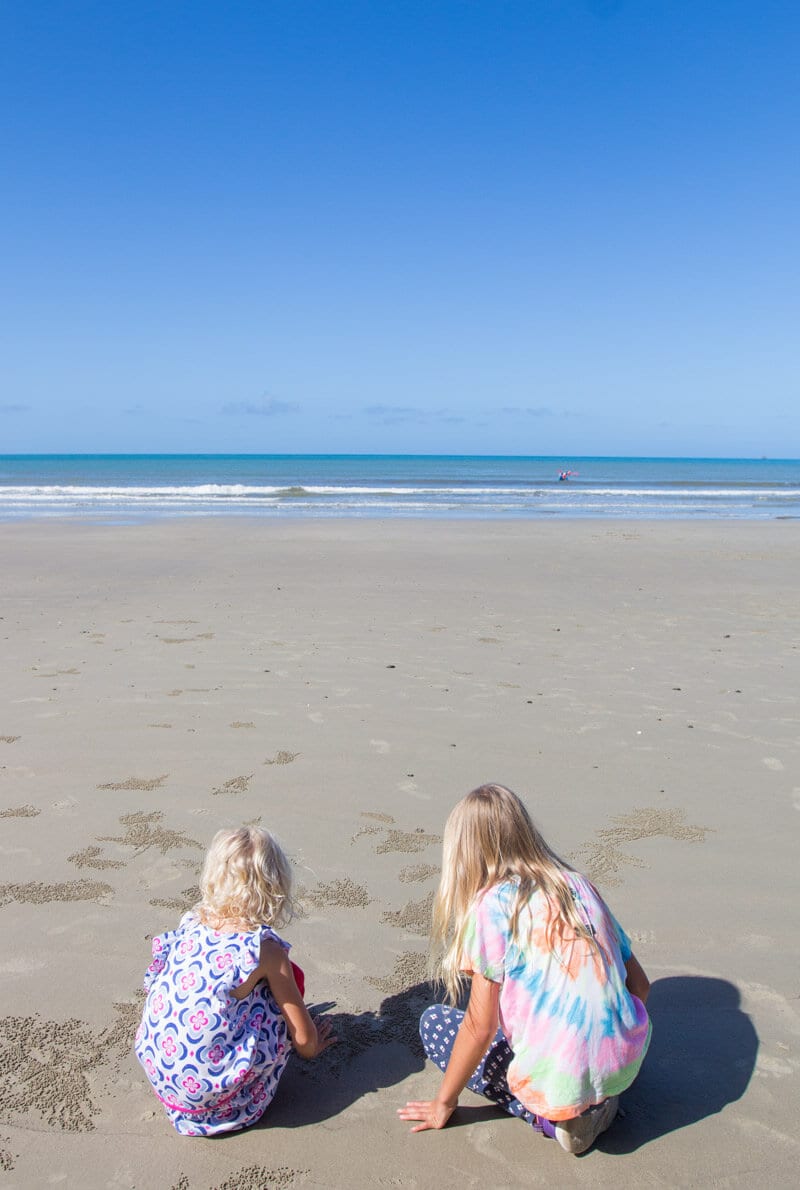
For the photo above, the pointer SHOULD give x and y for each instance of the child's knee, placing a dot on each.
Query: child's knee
(429, 1019)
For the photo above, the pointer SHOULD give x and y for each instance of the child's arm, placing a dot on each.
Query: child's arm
(637, 982)
(308, 1039)
(472, 1041)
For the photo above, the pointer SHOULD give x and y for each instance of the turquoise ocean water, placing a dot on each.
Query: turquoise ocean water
(122, 488)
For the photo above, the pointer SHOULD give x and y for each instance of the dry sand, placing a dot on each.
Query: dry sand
(344, 683)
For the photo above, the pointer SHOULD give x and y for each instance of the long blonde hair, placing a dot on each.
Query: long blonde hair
(246, 881)
(489, 838)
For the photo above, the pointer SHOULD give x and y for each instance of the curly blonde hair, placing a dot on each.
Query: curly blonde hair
(246, 880)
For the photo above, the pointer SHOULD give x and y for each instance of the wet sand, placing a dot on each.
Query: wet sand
(344, 683)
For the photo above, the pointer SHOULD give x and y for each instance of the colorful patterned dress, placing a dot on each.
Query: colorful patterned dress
(578, 1035)
(213, 1061)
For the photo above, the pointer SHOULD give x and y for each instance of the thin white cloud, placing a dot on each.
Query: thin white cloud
(266, 407)
(393, 415)
(526, 411)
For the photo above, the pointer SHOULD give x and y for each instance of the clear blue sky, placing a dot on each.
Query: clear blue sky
(487, 226)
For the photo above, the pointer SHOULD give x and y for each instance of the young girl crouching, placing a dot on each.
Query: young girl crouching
(556, 1027)
(224, 1005)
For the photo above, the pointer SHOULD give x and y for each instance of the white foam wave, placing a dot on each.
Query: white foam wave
(223, 492)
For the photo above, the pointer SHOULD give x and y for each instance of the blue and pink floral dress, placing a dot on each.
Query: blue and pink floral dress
(212, 1060)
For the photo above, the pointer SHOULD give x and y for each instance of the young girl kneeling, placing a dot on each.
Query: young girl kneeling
(549, 965)
(224, 1004)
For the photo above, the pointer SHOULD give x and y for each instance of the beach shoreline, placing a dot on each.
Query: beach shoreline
(345, 681)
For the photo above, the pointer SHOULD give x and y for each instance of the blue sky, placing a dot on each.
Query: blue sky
(536, 227)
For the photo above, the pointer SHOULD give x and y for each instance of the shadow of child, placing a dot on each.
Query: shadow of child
(701, 1058)
(373, 1050)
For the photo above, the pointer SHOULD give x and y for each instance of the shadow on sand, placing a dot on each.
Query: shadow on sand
(374, 1049)
(701, 1058)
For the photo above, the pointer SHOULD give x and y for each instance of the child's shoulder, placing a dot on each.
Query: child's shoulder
(497, 897)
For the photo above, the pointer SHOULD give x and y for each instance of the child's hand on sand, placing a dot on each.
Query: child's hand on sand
(431, 1113)
(325, 1035)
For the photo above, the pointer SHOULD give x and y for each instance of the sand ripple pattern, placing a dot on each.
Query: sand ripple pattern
(57, 1071)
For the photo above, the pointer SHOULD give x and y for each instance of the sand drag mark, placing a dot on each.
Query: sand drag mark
(282, 758)
(142, 784)
(20, 812)
(416, 873)
(415, 916)
(337, 894)
(36, 893)
(233, 785)
(90, 857)
(409, 968)
(180, 904)
(406, 841)
(603, 858)
(185, 640)
(143, 830)
(251, 1177)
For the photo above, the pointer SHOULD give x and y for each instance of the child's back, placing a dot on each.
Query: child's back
(213, 1060)
(224, 1005)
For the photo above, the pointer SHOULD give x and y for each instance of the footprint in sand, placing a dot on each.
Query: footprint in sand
(773, 764)
(9, 739)
(380, 746)
(20, 812)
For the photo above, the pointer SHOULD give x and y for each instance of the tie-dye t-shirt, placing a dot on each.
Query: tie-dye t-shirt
(577, 1034)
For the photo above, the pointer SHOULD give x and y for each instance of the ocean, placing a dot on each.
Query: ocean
(133, 488)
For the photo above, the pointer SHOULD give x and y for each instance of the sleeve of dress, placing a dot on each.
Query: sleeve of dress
(486, 937)
(161, 948)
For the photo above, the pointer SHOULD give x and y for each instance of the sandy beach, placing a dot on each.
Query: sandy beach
(344, 683)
